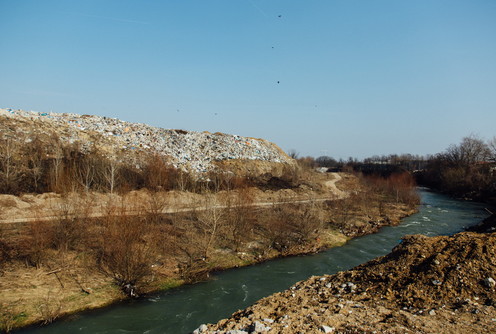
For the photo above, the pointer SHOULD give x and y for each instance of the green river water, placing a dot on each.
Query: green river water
(183, 309)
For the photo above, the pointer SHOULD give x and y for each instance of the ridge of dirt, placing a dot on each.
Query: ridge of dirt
(442, 284)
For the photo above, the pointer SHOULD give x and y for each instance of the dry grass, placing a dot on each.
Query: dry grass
(44, 294)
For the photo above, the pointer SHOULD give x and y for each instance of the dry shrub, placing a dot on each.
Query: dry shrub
(34, 245)
(287, 226)
(192, 264)
(5, 248)
(157, 173)
(49, 308)
(241, 216)
(399, 186)
(69, 228)
(126, 251)
(155, 203)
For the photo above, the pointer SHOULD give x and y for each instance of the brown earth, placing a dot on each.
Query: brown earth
(425, 285)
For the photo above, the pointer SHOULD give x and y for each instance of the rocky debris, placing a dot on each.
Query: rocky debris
(327, 329)
(391, 294)
(192, 151)
(202, 329)
(489, 282)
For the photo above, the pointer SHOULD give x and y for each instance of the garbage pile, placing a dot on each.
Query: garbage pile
(188, 150)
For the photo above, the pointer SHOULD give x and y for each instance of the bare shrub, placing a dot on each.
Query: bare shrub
(308, 220)
(289, 225)
(158, 174)
(192, 264)
(155, 204)
(398, 186)
(5, 248)
(49, 308)
(241, 216)
(34, 245)
(125, 252)
(276, 228)
(69, 228)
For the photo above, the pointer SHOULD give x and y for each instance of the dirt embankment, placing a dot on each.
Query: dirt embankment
(440, 284)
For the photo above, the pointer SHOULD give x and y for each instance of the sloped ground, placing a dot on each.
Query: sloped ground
(191, 151)
(425, 285)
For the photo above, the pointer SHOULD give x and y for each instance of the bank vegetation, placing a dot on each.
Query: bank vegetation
(78, 260)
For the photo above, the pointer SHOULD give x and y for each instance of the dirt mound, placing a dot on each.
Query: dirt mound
(430, 272)
(425, 285)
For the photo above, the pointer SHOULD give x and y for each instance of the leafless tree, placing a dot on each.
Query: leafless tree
(57, 158)
(9, 153)
(492, 148)
(110, 172)
(36, 153)
(471, 150)
(211, 217)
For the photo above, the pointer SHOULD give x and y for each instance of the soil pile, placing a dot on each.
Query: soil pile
(425, 285)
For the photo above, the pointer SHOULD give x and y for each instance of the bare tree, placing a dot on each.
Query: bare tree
(471, 150)
(9, 153)
(211, 217)
(492, 148)
(85, 167)
(36, 154)
(57, 157)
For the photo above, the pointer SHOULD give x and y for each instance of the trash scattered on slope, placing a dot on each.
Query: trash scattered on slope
(188, 150)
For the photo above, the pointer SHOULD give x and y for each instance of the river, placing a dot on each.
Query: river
(183, 309)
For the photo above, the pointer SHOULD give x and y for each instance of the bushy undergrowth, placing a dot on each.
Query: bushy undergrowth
(49, 165)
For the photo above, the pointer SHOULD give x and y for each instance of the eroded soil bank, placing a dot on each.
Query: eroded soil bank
(442, 284)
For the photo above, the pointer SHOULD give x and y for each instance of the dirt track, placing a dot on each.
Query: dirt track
(48, 207)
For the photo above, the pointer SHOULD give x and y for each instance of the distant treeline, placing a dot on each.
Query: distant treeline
(467, 169)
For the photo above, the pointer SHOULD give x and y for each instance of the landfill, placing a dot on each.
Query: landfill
(188, 150)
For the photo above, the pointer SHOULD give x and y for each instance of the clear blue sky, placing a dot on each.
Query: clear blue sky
(323, 77)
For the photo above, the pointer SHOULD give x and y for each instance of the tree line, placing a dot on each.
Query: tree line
(47, 164)
(466, 169)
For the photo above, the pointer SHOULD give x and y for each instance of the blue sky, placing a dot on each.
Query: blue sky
(322, 77)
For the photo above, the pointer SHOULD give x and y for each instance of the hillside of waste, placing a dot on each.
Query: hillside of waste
(190, 151)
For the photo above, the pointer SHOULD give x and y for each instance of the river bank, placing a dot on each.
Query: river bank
(425, 285)
(65, 284)
(181, 310)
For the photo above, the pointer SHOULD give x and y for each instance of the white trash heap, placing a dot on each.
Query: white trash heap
(188, 150)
